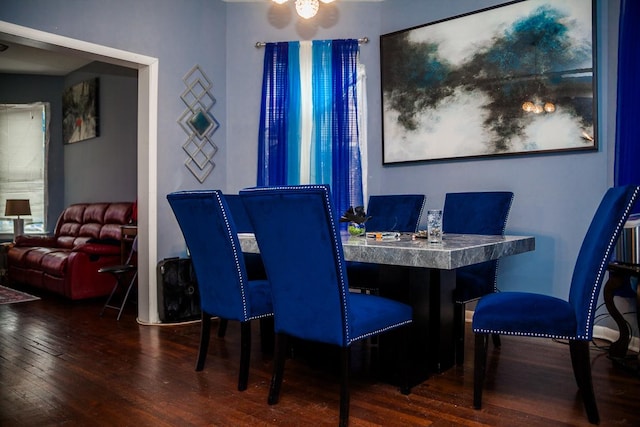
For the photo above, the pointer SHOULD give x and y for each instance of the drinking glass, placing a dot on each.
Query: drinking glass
(434, 225)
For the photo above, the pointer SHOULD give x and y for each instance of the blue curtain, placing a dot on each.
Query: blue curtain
(627, 160)
(321, 149)
(334, 147)
(272, 145)
(293, 114)
(347, 172)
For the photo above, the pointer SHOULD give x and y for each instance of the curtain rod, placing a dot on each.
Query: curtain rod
(362, 40)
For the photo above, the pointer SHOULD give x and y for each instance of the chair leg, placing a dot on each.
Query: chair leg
(266, 335)
(245, 354)
(205, 331)
(479, 368)
(496, 340)
(405, 387)
(345, 365)
(278, 368)
(222, 327)
(113, 292)
(126, 295)
(582, 372)
(458, 328)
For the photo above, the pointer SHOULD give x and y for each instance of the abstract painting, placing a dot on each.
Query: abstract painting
(508, 80)
(80, 112)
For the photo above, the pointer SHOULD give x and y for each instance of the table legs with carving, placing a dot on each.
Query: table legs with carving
(619, 276)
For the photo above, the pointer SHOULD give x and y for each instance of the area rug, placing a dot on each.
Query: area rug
(9, 296)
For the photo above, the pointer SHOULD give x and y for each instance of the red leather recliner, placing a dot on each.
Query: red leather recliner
(86, 238)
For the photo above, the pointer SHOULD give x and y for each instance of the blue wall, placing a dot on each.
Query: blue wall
(180, 34)
(556, 195)
(104, 169)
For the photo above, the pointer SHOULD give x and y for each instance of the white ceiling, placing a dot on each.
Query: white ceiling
(21, 59)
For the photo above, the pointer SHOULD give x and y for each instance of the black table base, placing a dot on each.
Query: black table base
(431, 339)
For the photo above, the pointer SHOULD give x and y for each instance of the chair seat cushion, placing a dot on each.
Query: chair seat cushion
(523, 313)
(54, 263)
(371, 314)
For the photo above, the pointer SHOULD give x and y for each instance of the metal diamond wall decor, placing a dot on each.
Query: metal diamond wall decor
(198, 123)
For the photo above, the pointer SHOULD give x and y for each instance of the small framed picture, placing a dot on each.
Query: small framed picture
(80, 112)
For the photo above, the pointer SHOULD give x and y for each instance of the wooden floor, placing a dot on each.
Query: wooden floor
(62, 365)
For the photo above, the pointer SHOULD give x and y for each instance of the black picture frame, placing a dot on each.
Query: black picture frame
(80, 119)
(513, 79)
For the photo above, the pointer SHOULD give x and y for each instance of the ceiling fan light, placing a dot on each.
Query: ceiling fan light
(280, 1)
(307, 8)
(327, 1)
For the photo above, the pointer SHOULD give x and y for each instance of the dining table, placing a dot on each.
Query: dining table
(422, 274)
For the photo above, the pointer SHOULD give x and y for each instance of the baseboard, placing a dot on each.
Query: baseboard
(611, 335)
(600, 332)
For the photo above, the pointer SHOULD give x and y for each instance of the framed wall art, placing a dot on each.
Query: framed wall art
(80, 112)
(513, 79)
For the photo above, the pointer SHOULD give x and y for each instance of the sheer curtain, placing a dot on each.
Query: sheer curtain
(312, 114)
(24, 147)
(628, 111)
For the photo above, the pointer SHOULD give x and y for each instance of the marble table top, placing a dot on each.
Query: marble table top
(456, 250)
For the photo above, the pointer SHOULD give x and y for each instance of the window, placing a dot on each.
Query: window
(24, 140)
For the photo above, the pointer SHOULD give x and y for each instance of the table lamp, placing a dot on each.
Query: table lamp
(17, 207)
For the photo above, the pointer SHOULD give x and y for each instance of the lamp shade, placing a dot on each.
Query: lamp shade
(17, 207)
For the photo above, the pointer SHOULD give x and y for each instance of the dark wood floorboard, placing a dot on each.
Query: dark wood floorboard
(63, 365)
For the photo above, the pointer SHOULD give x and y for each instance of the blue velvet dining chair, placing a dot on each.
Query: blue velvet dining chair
(225, 290)
(389, 212)
(480, 212)
(300, 244)
(535, 315)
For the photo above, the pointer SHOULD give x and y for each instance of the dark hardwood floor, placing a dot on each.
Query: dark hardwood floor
(62, 365)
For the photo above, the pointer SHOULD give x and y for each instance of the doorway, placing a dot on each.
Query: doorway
(147, 68)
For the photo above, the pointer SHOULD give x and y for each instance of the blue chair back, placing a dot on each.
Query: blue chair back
(210, 233)
(595, 254)
(395, 212)
(239, 213)
(253, 262)
(483, 212)
(307, 275)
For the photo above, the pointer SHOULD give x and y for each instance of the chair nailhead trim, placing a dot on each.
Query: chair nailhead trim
(379, 331)
(232, 238)
(587, 333)
(524, 334)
